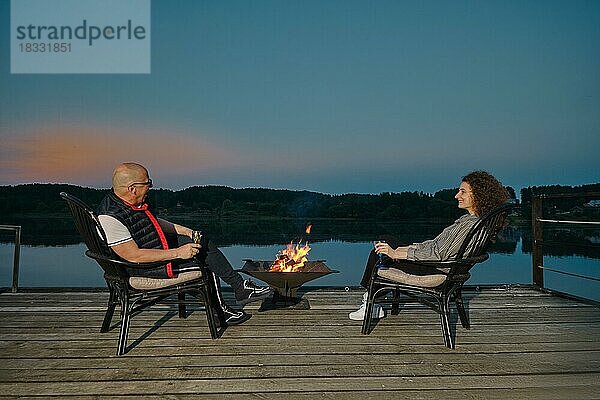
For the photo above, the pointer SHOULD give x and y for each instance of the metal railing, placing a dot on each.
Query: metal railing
(17, 254)
(538, 221)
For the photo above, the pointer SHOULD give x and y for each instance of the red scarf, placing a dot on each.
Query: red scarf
(161, 234)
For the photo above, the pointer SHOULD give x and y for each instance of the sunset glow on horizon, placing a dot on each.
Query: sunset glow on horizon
(87, 155)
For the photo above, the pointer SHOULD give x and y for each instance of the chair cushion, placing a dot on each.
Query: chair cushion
(143, 283)
(397, 275)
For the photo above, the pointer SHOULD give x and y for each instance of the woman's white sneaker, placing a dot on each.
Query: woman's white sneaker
(359, 314)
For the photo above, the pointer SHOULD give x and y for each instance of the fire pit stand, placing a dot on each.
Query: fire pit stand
(285, 284)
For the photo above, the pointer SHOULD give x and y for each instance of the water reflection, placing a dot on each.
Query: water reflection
(570, 241)
(567, 241)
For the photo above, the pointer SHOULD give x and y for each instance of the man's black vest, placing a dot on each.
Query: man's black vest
(139, 225)
(143, 232)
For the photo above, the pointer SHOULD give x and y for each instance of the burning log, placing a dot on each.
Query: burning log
(282, 263)
(292, 258)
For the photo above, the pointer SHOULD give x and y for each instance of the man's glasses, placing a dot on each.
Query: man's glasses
(149, 183)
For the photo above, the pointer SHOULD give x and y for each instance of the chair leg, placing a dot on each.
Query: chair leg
(209, 307)
(366, 325)
(462, 314)
(396, 303)
(445, 322)
(110, 310)
(125, 319)
(367, 319)
(181, 301)
(214, 304)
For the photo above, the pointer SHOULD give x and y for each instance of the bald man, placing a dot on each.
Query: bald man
(135, 234)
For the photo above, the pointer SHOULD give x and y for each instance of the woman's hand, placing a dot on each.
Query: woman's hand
(383, 248)
(396, 254)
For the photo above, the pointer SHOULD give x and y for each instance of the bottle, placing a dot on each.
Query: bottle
(380, 262)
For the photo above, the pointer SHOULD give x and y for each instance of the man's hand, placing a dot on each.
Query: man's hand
(187, 251)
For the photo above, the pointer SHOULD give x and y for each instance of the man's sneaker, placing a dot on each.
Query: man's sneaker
(250, 291)
(359, 314)
(233, 317)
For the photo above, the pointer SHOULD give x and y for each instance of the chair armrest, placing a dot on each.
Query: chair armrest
(447, 263)
(123, 263)
(435, 266)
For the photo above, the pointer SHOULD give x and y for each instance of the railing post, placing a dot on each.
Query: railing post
(16, 258)
(537, 257)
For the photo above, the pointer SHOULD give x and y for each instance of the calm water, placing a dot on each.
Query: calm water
(66, 266)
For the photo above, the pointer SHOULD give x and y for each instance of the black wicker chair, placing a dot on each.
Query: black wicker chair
(446, 279)
(136, 293)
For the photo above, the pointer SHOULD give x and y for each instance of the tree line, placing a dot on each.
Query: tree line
(575, 206)
(225, 202)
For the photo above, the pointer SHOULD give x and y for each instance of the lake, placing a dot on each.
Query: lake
(344, 245)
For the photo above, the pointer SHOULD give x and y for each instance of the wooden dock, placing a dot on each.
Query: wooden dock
(523, 344)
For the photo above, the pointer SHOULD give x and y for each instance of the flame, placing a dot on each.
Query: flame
(291, 259)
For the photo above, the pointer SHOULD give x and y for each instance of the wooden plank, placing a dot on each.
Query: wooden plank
(292, 351)
(553, 393)
(296, 384)
(168, 335)
(414, 310)
(64, 315)
(16, 349)
(396, 366)
(478, 361)
(428, 320)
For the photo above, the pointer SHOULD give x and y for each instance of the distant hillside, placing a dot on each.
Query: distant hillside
(221, 202)
(226, 202)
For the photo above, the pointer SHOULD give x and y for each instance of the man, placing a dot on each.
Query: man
(136, 235)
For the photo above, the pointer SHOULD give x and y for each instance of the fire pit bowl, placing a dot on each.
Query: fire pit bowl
(285, 284)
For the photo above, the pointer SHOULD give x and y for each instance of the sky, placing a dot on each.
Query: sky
(329, 96)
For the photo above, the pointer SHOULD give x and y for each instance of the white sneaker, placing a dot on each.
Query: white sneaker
(359, 314)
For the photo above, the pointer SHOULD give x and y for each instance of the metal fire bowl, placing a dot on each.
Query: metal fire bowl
(286, 283)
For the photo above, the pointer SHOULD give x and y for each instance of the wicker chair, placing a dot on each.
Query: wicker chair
(133, 294)
(446, 280)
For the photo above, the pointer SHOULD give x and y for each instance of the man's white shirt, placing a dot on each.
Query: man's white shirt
(116, 232)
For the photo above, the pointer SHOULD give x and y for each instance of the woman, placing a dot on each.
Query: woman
(479, 193)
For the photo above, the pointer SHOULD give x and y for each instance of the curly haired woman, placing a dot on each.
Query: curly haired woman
(479, 193)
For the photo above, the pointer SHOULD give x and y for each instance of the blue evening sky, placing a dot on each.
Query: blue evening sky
(331, 96)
